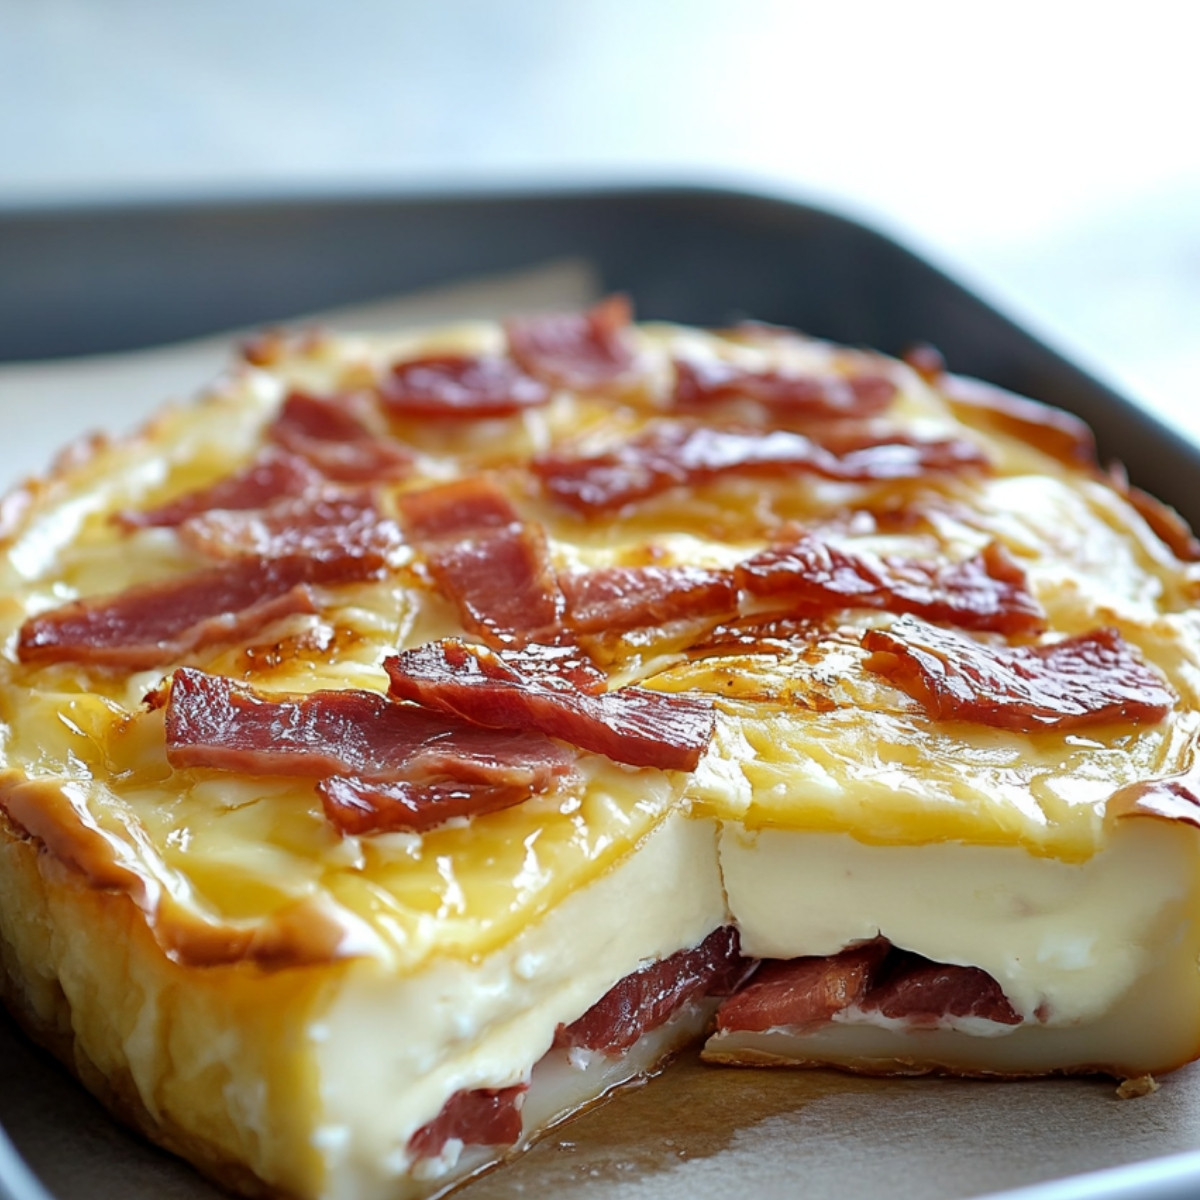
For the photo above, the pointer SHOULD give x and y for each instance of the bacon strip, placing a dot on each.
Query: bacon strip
(632, 725)
(1168, 525)
(269, 477)
(460, 385)
(673, 454)
(356, 807)
(650, 997)
(495, 568)
(924, 993)
(587, 351)
(987, 591)
(214, 722)
(631, 597)
(1060, 434)
(341, 531)
(504, 585)
(157, 623)
(481, 1117)
(313, 440)
(803, 991)
(702, 384)
(336, 442)
(874, 977)
(452, 511)
(1087, 680)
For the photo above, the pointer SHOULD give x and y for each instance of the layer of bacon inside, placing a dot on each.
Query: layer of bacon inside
(872, 978)
(650, 997)
(632, 1008)
(474, 1117)
(382, 766)
(1091, 679)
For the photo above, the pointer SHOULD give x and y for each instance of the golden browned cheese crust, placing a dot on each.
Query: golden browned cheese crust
(185, 939)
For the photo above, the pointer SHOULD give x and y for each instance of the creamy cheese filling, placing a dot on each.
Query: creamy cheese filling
(390, 1053)
(1153, 1022)
(1077, 948)
(1065, 941)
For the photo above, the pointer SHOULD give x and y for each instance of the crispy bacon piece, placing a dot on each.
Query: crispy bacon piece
(495, 568)
(1060, 434)
(564, 665)
(803, 991)
(987, 591)
(631, 597)
(1175, 797)
(327, 527)
(356, 807)
(632, 725)
(927, 360)
(671, 454)
(1168, 525)
(923, 993)
(587, 351)
(503, 584)
(313, 440)
(481, 1117)
(650, 997)
(450, 511)
(330, 437)
(702, 384)
(156, 623)
(214, 722)
(461, 385)
(873, 977)
(269, 477)
(1086, 680)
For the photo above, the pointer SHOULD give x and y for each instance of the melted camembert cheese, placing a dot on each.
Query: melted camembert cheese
(807, 739)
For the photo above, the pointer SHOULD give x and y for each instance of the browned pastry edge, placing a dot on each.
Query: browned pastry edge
(51, 1023)
(301, 934)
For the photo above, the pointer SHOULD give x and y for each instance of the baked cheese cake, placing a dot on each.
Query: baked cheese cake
(418, 737)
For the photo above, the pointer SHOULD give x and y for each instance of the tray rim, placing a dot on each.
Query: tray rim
(723, 191)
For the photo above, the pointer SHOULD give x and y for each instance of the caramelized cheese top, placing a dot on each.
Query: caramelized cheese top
(807, 737)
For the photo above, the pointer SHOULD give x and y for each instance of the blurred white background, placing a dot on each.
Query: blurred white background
(1048, 154)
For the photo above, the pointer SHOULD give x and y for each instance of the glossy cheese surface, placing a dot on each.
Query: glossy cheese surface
(807, 738)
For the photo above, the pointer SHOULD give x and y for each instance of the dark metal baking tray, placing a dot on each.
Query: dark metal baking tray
(79, 280)
(87, 279)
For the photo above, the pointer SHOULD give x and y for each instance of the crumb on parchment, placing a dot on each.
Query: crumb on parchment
(1133, 1089)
